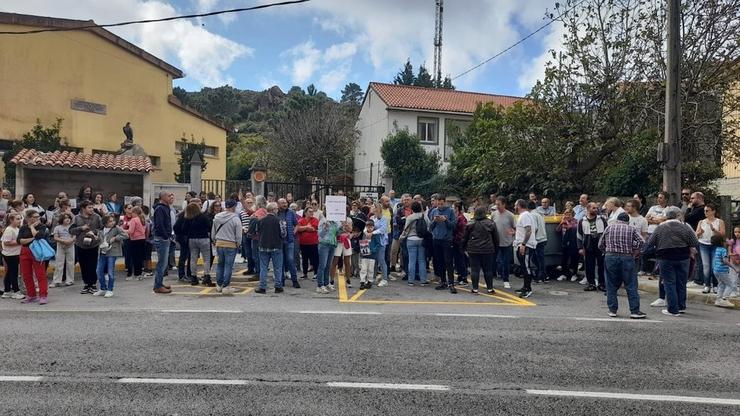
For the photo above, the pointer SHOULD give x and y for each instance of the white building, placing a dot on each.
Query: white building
(431, 113)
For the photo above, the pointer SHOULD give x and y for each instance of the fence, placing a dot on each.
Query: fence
(300, 191)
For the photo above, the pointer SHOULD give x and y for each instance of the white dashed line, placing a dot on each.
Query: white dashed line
(617, 320)
(475, 315)
(338, 313)
(388, 386)
(182, 381)
(20, 378)
(641, 397)
(200, 311)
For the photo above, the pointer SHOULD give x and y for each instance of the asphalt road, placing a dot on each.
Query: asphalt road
(283, 354)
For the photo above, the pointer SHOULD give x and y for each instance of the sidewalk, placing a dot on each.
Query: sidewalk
(692, 294)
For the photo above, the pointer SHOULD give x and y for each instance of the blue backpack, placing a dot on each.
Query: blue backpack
(41, 250)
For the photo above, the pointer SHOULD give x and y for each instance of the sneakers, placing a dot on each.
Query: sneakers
(525, 294)
(228, 290)
(724, 303)
(139, 278)
(507, 285)
(474, 291)
(331, 288)
(54, 285)
(6, 295)
(219, 288)
(260, 291)
(601, 288)
(43, 300)
(453, 290)
(410, 284)
(590, 288)
(194, 281)
(658, 303)
(68, 283)
(368, 285)
(637, 315)
(318, 290)
(462, 282)
(383, 283)
(325, 290)
(108, 294)
(18, 296)
(562, 278)
(574, 278)
(583, 281)
(442, 286)
(148, 274)
(86, 290)
(707, 289)
(714, 289)
(30, 300)
(641, 274)
(99, 293)
(362, 285)
(613, 314)
(491, 291)
(129, 278)
(665, 312)
(279, 290)
(424, 284)
(519, 290)
(348, 283)
(296, 285)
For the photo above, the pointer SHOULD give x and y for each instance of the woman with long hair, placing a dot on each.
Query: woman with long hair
(29, 202)
(99, 204)
(197, 229)
(705, 230)
(136, 228)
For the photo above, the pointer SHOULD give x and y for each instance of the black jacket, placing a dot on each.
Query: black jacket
(480, 237)
(162, 222)
(270, 232)
(694, 216)
(196, 227)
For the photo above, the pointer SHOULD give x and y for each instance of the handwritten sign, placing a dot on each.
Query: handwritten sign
(336, 208)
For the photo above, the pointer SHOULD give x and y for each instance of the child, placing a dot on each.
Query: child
(110, 249)
(369, 245)
(723, 269)
(65, 257)
(12, 253)
(343, 253)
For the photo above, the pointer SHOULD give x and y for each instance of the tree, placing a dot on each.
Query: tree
(182, 95)
(423, 78)
(406, 76)
(447, 84)
(186, 154)
(309, 140)
(413, 168)
(243, 150)
(352, 94)
(40, 138)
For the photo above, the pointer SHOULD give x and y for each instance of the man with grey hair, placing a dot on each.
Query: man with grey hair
(272, 233)
(612, 209)
(227, 234)
(162, 237)
(288, 217)
(259, 203)
(672, 241)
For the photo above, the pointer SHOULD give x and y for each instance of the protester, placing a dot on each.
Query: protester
(381, 227)
(32, 270)
(480, 241)
(246, 248)
(655, 216)
(590, 230)
(99, 204)
(621, 243)
(273, 233)
(526, 245)
(110, 249)
(568, 229)
(705, 230)
(672, 241)
(196, 227)
(343, 253)
(181, 238)
(308, 239)
(443, 221)
(64, 263)
(369, 248)
(136, 242)
(415, 232)
(506, 229)
(162, 232)
(29, 202)
(86, 228)
(581, 209)
(459, 258)
(260, 204)
(327, 233)
(113, 205)
(387, 213)
(632, 208)
(11, 254)
(226, 231)
(545, 209)
(540, 236)
(289, 219)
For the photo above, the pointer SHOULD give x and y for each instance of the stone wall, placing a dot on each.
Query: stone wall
(45, 184)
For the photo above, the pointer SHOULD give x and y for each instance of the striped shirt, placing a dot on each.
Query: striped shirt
(621, 238)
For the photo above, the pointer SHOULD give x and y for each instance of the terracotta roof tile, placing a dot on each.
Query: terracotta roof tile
(97, 161)
(436, 99)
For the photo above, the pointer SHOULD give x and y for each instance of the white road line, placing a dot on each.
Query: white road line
(476, 315)
(644, 397)
(388, 386)
(339, 313)
(616, 320)
(20, 378)
(181, 381)
(201, 311)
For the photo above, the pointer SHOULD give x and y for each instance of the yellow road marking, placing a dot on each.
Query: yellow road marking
(508, 298)
(247, 291)
(342, 289)
(357, 295)
(516, 298)
(205, 291)
(415, 302)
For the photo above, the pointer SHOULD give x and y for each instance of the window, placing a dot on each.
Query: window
(427, 130)
(211, 151)
(454, 131)
(155, 161)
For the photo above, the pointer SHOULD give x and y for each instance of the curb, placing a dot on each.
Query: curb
(692, 296)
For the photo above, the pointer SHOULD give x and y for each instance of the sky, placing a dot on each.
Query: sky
(328, 43)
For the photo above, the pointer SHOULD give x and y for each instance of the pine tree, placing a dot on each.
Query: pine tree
(406, 76)
(423, 78)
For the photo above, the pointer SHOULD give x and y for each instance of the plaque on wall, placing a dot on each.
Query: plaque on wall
(87, 106)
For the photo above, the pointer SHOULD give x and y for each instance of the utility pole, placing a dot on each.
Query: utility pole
(671, 146)
(439, 9)
(371, 174)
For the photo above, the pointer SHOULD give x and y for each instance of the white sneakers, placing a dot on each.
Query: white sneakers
(574, 278)
(228, 290)
(562, 278)
(219, 288)
(583, 281)
(658, 303)
(108, 294)
(507, 285)
(724, 303)
(383, 283)
(665, 312)
(331, 288)
(99, 293)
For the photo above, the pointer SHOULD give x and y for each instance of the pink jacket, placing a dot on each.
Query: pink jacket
(136, 230)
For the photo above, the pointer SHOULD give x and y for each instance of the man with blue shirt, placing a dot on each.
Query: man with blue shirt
(291, 222)
(580, 210)
(442, 226)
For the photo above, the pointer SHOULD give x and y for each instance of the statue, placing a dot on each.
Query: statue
(128, 132)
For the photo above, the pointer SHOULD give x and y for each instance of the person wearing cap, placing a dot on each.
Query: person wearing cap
(621, 244)
(227, 233)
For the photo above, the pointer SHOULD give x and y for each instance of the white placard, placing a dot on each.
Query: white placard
(336, 208)
(73, 203)
(373, 195)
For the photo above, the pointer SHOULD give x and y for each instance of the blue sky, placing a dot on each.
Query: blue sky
(328, 42)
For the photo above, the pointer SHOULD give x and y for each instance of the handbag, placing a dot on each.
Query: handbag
(41, 250)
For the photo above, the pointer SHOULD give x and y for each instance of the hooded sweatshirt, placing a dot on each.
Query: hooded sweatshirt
(227, 229)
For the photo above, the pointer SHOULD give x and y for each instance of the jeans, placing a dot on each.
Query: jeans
(380, 262)
(461, 262)
(277, 257)
(163, 253)
(200, 247)
(593, 259)
(405, 259)
(326, 254)
(387, 249)
(417, 260)
(524, 265)
(256, 255)
(673, 274)
(707, 256)
(503, 262)
(288, 260)
(106, 264)
(226, 257)
(443, 262)
(621, 269)
(727, 284)
(540, 260)
(484, 262)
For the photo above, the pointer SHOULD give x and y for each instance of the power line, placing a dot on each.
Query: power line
(164, 19)
(517, 43)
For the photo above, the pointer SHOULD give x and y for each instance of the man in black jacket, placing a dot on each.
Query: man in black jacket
(272, 233)
(162, 234)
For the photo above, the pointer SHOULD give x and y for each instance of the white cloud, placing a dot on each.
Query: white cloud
(306, 61)
(332, 65)
(340, 52)
(534, 70)
(203, 55)
(207, 6)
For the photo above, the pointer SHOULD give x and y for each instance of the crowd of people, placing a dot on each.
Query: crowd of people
(379, 242)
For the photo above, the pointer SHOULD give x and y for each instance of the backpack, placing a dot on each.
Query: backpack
(421, 229)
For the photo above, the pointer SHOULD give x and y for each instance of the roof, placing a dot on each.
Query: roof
(172, 99)
(97, 161)
(54, 22)
(406, 97)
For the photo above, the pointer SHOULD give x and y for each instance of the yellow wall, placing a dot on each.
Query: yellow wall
(732, 170)
(41, 73)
